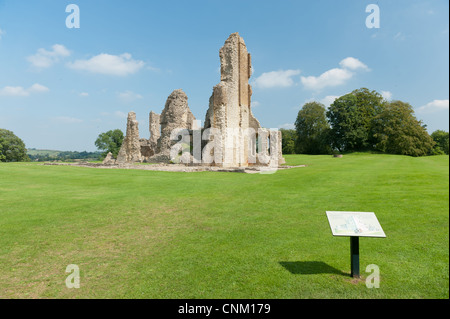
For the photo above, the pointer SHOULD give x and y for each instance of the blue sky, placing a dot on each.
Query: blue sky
(61, 87)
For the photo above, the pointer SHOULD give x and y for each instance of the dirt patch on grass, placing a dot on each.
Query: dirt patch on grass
(180, 167)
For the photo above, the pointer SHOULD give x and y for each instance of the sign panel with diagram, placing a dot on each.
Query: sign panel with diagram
(360, 224)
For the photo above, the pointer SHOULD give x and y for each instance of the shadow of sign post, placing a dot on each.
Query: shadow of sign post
(310, 268)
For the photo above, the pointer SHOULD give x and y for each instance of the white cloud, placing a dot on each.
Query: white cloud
(287, 126)
(154, 69)
(282, 78)
(386, 95)
(328, 100)
(108, 64)
(44, 59)
(2, 32)
(38, 88)
(336, 76)
(333, 77)
(84, 94)
(13, 91)
(434, 106)
(66, 120)
(352, 64)
(129, 96)
(255, 104)
(399, 36)
(20, 91)
(118, 114)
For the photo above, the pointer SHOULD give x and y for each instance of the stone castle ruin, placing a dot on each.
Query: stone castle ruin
(231, 136)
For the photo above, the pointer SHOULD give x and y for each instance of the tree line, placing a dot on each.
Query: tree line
(362, 121)
(12, 149)
(68, 156)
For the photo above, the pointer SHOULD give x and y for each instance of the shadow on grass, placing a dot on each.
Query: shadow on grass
(310, 268)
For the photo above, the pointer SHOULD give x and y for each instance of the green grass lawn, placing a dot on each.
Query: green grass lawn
(147, 234)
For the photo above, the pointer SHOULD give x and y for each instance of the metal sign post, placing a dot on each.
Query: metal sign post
(354, 256)
(355, 225)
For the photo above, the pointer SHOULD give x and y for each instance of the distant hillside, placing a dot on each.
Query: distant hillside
(67, 156)
(33, 151)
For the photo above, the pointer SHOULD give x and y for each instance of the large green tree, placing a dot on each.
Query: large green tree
(288, 141)
(442, 141)
(351, 119)
(312, 130)
(397, 131)
(110, 141)
(12, 148)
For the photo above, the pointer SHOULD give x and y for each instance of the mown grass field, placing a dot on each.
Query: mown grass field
(145, 234)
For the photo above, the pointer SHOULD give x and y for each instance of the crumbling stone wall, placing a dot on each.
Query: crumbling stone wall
(146, 148)
(154, 128)
(109, 159)
(229, 112)
(176, 114)
(130, 151)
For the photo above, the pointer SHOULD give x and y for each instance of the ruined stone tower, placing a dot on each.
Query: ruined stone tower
(230, 105)
(130, 152)
(154, 128)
